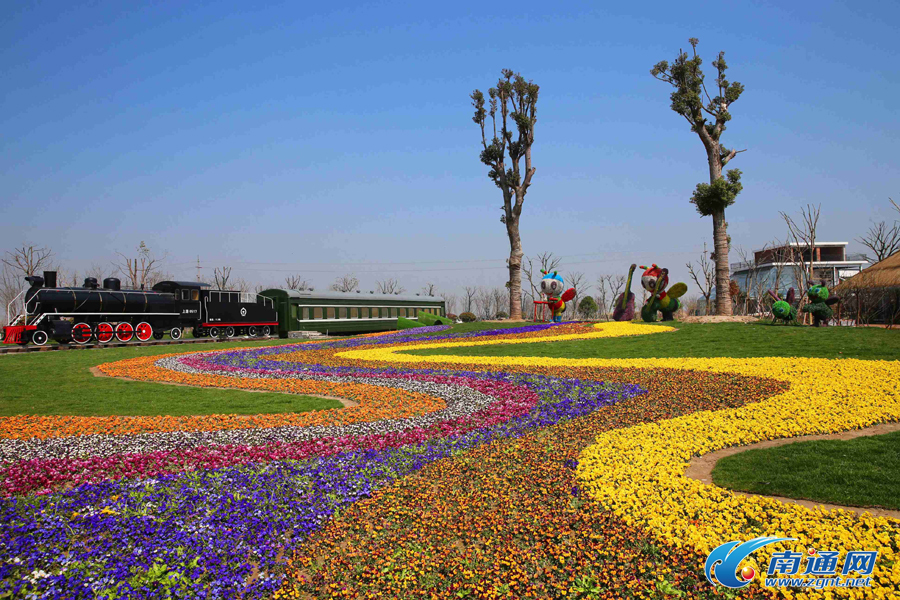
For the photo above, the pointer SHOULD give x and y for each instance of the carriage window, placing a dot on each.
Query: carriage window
(195, 295)
(354, 313)
(330, 312)
(343, 313)
(305, 314)
(393, 312)
(317, 312)
(185, 294)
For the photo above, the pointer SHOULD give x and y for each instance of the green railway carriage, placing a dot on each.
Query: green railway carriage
(347, 312)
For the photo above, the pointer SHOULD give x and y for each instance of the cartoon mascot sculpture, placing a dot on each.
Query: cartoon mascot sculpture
(552, 287)
(783, 309)
(655, 280)
(820, 305)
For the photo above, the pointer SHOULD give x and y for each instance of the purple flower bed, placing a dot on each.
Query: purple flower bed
(219, 532)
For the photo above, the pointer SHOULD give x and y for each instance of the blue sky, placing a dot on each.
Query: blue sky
(338, 138)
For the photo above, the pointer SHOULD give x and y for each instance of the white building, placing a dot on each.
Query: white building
(786, 266)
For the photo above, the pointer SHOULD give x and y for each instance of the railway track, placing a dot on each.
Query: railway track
(50, 348)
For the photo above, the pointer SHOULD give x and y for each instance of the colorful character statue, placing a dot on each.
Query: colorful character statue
(655, 280)
(784, 310)
(624, 309)
(552, 287)
(820, 305)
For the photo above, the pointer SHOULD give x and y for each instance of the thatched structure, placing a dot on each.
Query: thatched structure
(881, 275)
(873, 295)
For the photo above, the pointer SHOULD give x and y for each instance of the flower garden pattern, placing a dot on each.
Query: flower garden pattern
(452, 476)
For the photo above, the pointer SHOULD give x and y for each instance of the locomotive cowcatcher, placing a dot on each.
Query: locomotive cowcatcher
(91, 313)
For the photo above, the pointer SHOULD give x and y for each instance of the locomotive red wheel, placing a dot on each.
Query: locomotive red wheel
(104, 333)
(81, 333)
(143, 331)
(124, 332)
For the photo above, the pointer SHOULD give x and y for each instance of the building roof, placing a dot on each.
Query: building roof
(744, 266)
(801, 244)
(351, 296)
(884, 274)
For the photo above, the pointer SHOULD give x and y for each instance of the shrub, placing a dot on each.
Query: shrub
(587, 307)
(467, 317)
(502, 315)
(452, 316)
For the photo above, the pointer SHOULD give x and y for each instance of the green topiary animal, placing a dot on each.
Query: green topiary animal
(820, 305)
(784, 310)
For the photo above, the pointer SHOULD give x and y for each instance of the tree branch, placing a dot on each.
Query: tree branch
(731, 155)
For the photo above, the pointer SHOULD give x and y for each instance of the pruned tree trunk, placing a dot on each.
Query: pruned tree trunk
(723, 275)
(515, 269)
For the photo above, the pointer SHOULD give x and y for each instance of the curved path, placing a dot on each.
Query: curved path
(701, 467)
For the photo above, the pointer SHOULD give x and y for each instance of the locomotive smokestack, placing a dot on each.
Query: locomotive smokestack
(50, 279)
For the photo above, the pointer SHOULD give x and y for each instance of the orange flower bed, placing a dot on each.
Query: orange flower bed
(375, 403)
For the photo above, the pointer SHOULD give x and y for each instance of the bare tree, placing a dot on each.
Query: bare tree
(296, 282)
(755, 287)
(142, 270)
(692, 305)
(882, 240)
(500, 300)
(429, 289)
(450, 303)
(389, 286)
(575, 279)
(222, 276)
(345, 283)
(239, 285)
(802, 235)
(608, 289)
(11, 284)
(516, 99)
(471, 292)
(28, 260)
(704, 275)
(484, 304)
(71, 278)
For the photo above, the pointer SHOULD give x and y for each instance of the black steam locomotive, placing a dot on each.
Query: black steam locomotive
(91, 313)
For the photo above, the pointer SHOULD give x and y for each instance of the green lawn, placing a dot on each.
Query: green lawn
(60, 383)
(861, 472)
(709, 340)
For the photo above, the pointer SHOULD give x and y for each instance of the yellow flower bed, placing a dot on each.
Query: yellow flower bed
(639, 472)
(604, 330)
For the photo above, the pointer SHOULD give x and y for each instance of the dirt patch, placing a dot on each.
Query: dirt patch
(700, 468)
(96, 372)
(720, 319)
